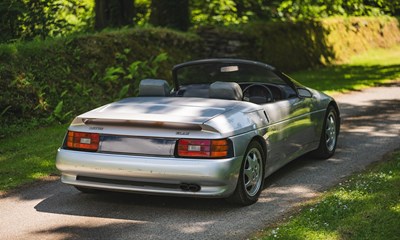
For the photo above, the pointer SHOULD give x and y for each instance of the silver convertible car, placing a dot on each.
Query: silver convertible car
(224, 126)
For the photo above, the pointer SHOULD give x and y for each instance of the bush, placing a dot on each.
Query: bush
(299, 45)
(56, 79)
(53, 80)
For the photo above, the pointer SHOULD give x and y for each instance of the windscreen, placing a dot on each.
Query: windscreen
(225, 72)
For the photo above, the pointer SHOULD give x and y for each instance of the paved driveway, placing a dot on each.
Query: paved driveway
(371, 128)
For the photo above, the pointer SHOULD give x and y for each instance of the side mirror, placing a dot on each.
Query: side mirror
(304, 93)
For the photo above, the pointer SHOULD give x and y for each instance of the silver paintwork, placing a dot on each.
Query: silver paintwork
(139, 136)
(217, 178)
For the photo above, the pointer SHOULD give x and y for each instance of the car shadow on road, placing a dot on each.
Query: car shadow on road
(119, 205)
(98, 231)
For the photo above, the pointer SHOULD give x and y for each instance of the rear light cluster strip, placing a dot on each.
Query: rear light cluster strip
(202, 148)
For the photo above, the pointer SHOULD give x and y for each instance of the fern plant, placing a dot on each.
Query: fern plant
(127, 76)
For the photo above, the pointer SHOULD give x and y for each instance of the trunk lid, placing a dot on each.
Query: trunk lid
(166, 110)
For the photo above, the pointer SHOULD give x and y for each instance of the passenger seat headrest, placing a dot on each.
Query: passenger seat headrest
(226, 90)
(153, 88)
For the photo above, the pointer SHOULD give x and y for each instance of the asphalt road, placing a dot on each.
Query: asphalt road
(51, 210)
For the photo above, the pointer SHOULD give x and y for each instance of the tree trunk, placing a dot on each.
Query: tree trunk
(240, 7)
(116, 13)
(171, 13)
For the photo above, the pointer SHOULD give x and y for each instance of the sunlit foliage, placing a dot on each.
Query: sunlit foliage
(217, 12)
(28, 19)
(309, 9)
(142, 12)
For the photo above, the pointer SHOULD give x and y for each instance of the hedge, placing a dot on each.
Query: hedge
(59, 78)
(293, 46)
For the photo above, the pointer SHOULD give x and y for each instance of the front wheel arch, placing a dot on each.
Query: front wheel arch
(334, 105)
(329, 134)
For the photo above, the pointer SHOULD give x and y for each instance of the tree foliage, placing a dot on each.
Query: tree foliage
(28, 19)
(217, 12)
(308, 9)
(228, 12)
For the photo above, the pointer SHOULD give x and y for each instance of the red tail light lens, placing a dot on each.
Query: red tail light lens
(203, 148)
(83, 141)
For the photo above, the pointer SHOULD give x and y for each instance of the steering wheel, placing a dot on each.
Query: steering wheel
(268, 97)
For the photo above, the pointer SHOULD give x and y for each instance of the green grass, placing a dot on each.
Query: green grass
(383, 57)
(29, 156)
(366, 206)
(366, 70)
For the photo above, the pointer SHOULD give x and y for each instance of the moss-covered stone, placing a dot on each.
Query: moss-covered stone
(348, 36)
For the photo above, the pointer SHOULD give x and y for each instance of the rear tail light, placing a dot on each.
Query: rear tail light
(203, 148)
(83, 141)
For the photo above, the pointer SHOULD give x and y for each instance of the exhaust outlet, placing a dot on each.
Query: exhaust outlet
(184, 187)
(190, 187)
(194, 188)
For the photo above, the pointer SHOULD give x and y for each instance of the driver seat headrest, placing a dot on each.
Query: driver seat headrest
(226, 90)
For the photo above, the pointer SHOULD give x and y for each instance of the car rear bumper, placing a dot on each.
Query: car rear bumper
(149, 174)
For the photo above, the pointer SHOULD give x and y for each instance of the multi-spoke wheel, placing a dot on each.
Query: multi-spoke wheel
(252, 171)
(251, 176)
(328, 141)
(330, 131)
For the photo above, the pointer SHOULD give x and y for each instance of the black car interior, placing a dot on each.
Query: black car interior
(258, 93)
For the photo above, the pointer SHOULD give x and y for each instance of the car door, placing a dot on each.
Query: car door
(291, 131)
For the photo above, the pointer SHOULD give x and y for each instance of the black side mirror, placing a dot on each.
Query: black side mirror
(304, 93)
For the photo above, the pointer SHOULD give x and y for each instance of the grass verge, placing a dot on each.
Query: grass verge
(29, 156)
(366, 70)
(366, 206)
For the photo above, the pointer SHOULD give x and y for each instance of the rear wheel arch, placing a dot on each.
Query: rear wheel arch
(263, 144)
(251, 174)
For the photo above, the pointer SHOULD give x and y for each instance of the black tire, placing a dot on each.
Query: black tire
(329, 135)
(86, 190)
(253, 165)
